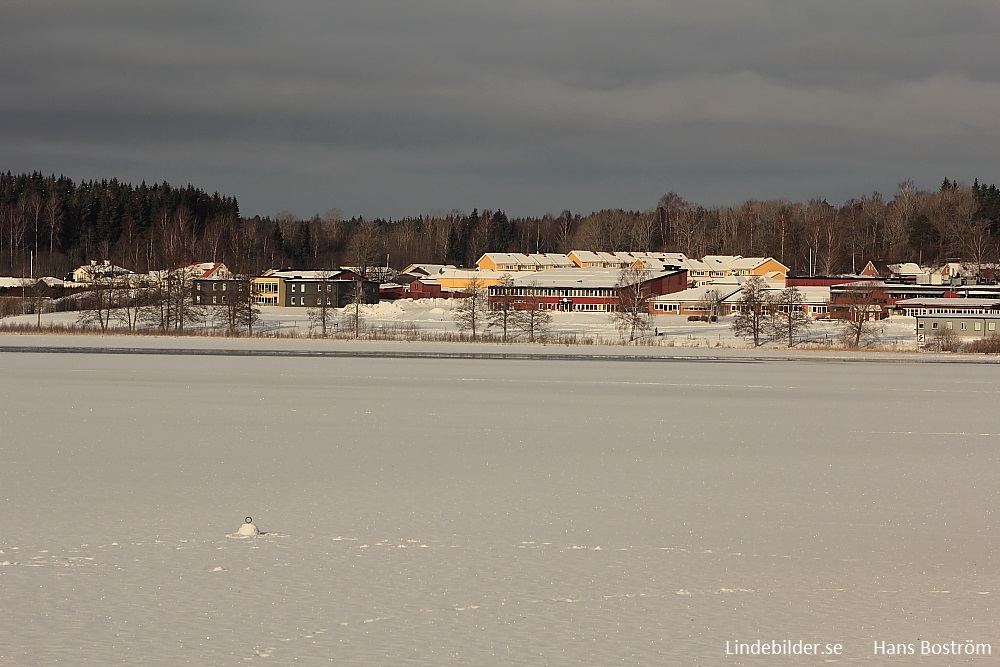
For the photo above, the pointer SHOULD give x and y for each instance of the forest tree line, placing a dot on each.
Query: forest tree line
(50, 225)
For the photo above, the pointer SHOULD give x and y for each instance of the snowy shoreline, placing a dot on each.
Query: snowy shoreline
(574, 336)
(312, 347)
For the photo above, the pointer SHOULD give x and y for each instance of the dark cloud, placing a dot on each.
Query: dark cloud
(393, 107)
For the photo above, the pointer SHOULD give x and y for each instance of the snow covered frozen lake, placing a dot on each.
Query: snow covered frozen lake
(469, 511)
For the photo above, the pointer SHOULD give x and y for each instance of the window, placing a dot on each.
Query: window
(991, 326)
(934, 325)
(964, 326)
(979, 326)
(948, 325)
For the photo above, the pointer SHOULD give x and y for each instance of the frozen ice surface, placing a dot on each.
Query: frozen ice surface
(524, 511)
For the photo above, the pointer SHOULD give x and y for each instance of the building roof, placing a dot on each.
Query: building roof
(205, 269)
(730, 292)
(427, 269)
(303, 274)
(451, 272)
(907, 269)
(581, 278)
(943, 302)
(698, 294)
(537, 260)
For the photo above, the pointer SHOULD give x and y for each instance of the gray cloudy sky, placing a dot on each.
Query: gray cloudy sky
(403, 107)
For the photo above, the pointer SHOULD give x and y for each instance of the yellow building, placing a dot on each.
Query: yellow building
(461, 279)
(519, 261)
(722, 266)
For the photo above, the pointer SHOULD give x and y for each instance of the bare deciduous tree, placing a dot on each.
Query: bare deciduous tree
(321, 315)
(861, 313)
(471, 308)
(353, 313)
(752, 310)
(787, 318)
(98, 303)
(534, 319)
(712, 304)
(502, 313)
(631, 316)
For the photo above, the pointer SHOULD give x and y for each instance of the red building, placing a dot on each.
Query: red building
(584, 289)
(878, 297)
(407, 286)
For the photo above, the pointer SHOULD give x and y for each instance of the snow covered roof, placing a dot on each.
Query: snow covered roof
(720, 260)
(304, 274)
(537, 260)
(698, 294)
(907, 269)
(943, 302)
(730, 292)
(427, 269)
(206, 270)
(578, 278)
(7, 282)
(468, 274)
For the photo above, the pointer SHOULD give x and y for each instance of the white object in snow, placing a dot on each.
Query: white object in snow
(248, 529)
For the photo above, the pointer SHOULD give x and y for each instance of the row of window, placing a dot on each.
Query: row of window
(296, 287)
(301, 301)
(544, 291)
(963, 326)
(949, 311)
(733, 308)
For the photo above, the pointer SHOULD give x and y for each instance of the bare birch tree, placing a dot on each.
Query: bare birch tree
(787, 318)
(861, 314)
(631, 314)
(321, 318)
(535, 320)
(502, 313)
(471, 308)
(752, 311)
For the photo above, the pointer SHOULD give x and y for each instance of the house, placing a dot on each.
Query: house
(461, 279)
(723, 266)
(517, 261)
(582, 289)
(876, 269)
(307, 287)
(880, 296)
(97, 272)
(219, 291)
(408, 286)
(588, 259)
(653, 260)
(692, 301)
(206, 270)
(724, 298)
(186, 273)
(960, 325)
